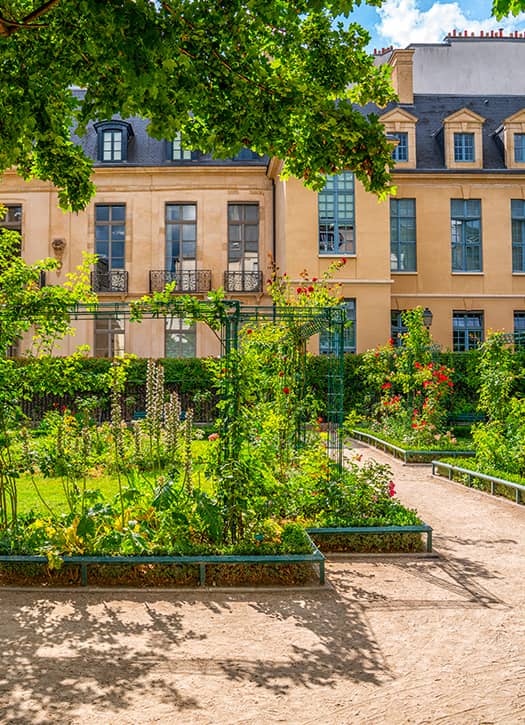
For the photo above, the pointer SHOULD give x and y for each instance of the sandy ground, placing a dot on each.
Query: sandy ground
(391, 641)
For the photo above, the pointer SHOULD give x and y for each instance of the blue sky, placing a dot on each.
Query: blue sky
(400, 22)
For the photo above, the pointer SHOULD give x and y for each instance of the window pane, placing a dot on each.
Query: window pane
(465, 231)
(101, 213)
(110, 234)
(181, 226)
(243, 237)
(336, 215)
(519, 147)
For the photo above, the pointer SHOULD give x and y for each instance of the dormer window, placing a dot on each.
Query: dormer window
(464, 147)
(510, 136)
(178, 152)
(113, 138)
(401, 126)
(400, 153)
(463, 137)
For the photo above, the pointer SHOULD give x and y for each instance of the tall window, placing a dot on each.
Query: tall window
(517, 212)
(519, 328)
(181, 236)
(464, 147)
(397, 327)
(178, 153)
(336, 215)
(243, 237)
(400, 153)
(349, 334)
(465, 220)
(180, 338)
(110, 235)
(467, 330)
(109, 337)
(403, 235)
(519, 147)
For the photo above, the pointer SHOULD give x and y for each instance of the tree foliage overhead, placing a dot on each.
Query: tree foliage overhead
(501, 8)
(277, 76)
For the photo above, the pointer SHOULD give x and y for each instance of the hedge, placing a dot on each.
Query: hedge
(192, 380)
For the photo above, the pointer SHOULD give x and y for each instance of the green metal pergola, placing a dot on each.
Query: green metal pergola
(299, 324)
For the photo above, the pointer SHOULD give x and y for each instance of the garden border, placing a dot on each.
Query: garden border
(409, 529)
(316, 557)
(405, 453)
(493, 480)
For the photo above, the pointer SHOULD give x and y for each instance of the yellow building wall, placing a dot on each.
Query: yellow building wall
(366, 274)
(145, 192)
(495, 291)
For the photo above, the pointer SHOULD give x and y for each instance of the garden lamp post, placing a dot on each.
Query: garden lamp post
(427, 317)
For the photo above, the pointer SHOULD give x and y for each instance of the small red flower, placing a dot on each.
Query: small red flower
(299, 290)
(310, 289)
(249, 332)
(391, 342)
(314, 279)
(281, 373)
(343, 260)
(319, 420)
(286, 391)
(386, 386)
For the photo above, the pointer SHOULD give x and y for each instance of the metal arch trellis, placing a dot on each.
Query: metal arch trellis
(299, 325)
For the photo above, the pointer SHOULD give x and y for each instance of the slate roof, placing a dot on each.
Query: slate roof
(431, 110)
(146, 151)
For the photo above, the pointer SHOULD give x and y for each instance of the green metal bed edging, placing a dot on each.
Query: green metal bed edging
(316, 557)
(405, 453)
(412, 529)
(493, 480)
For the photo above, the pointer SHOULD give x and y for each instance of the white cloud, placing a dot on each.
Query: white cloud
(402, 22)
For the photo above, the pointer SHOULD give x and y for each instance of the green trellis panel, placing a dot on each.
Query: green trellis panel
(301, 324)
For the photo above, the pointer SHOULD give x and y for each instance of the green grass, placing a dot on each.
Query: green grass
(52, 491)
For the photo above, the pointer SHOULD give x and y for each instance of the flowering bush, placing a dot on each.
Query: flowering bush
(414, 391)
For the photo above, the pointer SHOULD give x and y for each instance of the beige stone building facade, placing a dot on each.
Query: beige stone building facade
(452, 239)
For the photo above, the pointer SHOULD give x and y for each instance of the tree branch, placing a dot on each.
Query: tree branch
(8, 27)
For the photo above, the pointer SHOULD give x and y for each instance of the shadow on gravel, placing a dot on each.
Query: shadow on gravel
(346, 649)
(61, 649)
(452, 583)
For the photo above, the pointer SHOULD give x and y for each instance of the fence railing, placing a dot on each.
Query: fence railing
(191, 280)
(405, 453)
(116, 280)
(243, 281)
(518, 488)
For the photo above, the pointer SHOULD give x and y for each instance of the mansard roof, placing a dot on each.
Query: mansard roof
(431, 110)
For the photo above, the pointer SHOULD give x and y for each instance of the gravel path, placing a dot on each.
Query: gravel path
(391, 641)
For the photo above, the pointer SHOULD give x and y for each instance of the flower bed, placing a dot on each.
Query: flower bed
(145, 571)
(406, 454)
(495, 485)
(373, 539)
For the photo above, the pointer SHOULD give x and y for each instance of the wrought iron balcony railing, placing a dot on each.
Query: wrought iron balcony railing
(190, 280)
(243, 281)
(115, 280)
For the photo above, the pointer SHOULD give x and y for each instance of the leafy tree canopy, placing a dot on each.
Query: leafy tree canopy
(277, 76)
(501, 8)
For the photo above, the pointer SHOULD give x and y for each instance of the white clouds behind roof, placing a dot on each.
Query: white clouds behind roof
(403, 22)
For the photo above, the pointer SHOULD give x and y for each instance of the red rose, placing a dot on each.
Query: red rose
(310, 289)
(343, 260)
(286, 391)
